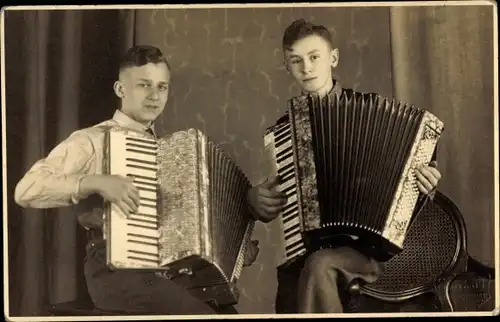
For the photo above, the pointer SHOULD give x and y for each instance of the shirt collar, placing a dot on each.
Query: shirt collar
(126, 121)
(336, 89)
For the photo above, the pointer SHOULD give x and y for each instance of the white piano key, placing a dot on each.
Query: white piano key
(291, 200)
(145, 232)
(141, 185)
(143, 248)
(131, 164)
(148, 203)
(291, 223)
(284, 147)
(141, 156)
(293, 239)
(141, 172)
(296, 248)
(290, 234)
(285, 163)
(141, 222)
(287, 184)
(142, 139)
(141, 239)
(145, 218)
(147, 210)
(139, 253)
(296, 252)
(147, 194)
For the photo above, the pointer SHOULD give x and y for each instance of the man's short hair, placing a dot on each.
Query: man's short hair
(300, 29)
(142, 55)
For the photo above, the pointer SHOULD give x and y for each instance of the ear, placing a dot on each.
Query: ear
(335, 57)
(118, 88)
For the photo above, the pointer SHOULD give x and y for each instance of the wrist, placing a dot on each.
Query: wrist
(89, 185)
(253, 213)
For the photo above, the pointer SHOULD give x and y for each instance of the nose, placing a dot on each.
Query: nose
(154, 95)
(306, 66)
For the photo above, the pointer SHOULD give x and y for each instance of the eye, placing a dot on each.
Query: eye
(144, 85)
(295, 61)
(163, 88)
(314, 57)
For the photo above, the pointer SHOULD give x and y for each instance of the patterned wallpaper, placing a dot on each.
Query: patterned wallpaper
(229, 81)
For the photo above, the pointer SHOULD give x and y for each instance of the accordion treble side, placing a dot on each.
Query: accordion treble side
(347, 165)
(192, 225)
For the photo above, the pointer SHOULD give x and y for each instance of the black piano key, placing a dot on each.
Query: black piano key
(154, 185)
(138, 252)
(141, 140)
(141, 146)
(141, 226)
(141, 152)
(155, 239)
(298, 242)
(141, 161)
(142, 243)
(140, 167)
(153, 178)
(141, 204)
(143, 259)
(147, 189)
(285, 170)
(291, 228)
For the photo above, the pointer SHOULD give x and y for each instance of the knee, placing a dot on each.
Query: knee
(321, 262)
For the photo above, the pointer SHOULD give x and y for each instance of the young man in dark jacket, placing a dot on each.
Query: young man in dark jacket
(312, 284)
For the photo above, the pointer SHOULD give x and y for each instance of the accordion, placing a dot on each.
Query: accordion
(192, 224)
(346, 164)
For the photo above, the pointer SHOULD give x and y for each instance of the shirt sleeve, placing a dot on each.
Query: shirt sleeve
(54, 181)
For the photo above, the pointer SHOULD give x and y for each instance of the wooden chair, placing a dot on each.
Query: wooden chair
(434, 271)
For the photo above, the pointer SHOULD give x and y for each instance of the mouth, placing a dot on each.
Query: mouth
(151, 106)
(309, 79)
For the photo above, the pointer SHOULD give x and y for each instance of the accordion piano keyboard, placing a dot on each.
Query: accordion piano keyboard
(136, 237)
(281, 142)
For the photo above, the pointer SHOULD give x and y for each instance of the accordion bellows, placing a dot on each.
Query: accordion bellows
(197, 225)
(348, 163)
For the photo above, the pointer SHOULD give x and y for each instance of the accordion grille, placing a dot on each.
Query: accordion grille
(230, 222)
(354, 160)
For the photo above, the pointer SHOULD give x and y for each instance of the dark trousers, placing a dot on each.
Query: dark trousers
(317, 283)
(137, 292)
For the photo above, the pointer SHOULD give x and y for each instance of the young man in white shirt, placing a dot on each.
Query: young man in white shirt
(72, 175)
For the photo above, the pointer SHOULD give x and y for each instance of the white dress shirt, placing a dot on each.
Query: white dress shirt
(54, 181)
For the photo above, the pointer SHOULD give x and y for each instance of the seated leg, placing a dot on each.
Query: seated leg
(318, 287)
(136, 292)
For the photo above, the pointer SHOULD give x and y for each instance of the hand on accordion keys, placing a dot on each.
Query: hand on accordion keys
(428, 177)
(265, 201)
(116, 189)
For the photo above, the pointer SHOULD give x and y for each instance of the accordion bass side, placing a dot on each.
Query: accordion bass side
(192, 224)
(347, 168)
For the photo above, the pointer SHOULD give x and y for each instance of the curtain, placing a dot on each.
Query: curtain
(60, 69)
(443, 61)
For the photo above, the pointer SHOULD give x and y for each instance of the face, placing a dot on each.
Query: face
(143, 91)
(310, 61)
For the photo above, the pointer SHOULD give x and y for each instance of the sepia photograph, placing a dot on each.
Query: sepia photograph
(250, 160)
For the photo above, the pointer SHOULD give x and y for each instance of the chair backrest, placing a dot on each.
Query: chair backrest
(434, 250)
